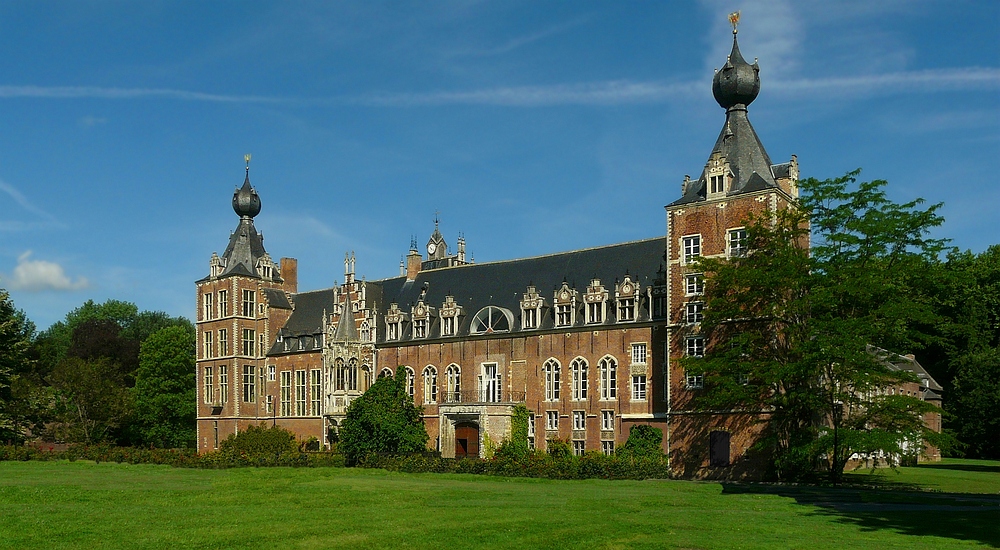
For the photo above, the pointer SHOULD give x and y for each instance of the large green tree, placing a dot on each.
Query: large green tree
(791, 327)
(165, 404)
(383, 420)
(16, 332)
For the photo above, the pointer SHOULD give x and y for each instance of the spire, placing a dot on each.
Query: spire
(246, 245)
(346, 331)
(246, 203)
(738, 82)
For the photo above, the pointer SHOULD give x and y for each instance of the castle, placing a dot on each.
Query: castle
(588, 340)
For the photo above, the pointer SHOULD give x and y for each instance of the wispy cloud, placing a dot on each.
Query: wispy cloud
(40, 275)
(524, 40)
(97, 92)
(42, 218)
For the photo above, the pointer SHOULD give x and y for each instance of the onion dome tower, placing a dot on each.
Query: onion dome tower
(245, 254)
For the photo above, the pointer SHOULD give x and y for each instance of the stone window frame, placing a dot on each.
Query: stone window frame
(315, 392)
(450, 314)
(208, 346)
(639, 353)
(430, 385)
(410, 381)
(579, 420)
(223, 303)
(596, 300)
(386, 372)
(639, 387)
(453, 381)
(690, 248)
(694, 312)
(531, 308)
(208, 306)
(248, 304)
(249, 383)
(552, 421)
(551, 374)
(223, 342)
(736, 242)
(693, 381)
(608, 447)
(578, 369)
(608, 369)
(394, 321)
(693, 345)
(579, 447)
(718, 174)
(208, 385)
(694, 284)
(493, 322)
(223, 383)
(421, 318)
(607, 420)
(301, 389)
(285, 393)
(270, 373)
(627, 300)
(564, 302)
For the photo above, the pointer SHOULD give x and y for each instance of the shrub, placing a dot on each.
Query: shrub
(256, 441)
(382, 421)
(643, 441)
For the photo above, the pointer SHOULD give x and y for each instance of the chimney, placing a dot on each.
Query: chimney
(413, 261)
(290, 273)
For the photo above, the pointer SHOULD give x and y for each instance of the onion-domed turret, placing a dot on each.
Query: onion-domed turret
(738, 82)
(246, 202)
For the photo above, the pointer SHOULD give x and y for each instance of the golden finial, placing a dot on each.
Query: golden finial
(246, 157)
(734, 19)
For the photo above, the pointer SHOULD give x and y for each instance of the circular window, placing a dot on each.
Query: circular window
(492, 319)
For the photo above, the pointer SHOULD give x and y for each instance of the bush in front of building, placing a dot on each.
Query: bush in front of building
(643, 441)
(382, 421)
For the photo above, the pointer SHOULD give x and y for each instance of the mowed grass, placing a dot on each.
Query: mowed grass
(87, 505)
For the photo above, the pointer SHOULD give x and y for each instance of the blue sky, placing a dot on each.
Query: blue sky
(533, 127)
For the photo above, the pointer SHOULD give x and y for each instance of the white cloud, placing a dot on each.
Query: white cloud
(97, 92)
(39, 275)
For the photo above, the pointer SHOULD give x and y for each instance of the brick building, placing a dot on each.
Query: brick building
(589, 340)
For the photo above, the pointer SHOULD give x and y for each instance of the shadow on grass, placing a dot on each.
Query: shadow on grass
(961, 516)
(962, 467)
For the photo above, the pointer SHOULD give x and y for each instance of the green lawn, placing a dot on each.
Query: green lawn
(86, 505)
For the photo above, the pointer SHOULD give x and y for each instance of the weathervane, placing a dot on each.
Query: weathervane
(246, 157)
(734, 20)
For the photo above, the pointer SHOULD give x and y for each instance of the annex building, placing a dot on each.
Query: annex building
(588, 340)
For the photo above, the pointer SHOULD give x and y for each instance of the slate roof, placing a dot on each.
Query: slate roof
(277, 298)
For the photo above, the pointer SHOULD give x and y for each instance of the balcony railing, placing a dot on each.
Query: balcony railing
(481, 396)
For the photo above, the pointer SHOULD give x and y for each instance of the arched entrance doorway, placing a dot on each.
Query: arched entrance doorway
(466, 440)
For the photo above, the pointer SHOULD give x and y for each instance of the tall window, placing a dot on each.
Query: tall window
(410, 376)
(366, 332)
(716, 184)
(626, 309)
(223, 342)
(694, 346)
(579, 420)
(529, 319)
(564, 315)
(639, 387)
(607, 421)
(430, 385)
(340, 370)
(351, 381)
(578, 378)
(448, 326)
(595, 312)
(269, 407)
(454, 375)
(300, 393)
(694, 312)
(691, 247)
(551, 370)
(249, 335)
(659, 307)
(223, 384)
(249, 297)
(491, 387)
(314, 392)
(420, 328)
(209, 386)
(207, 345)
(223, 303)
(737, 242)
(694, 380)
(270, 373)
(609, 378)
(639, 353)
(694, 284)
(392, 331)
(249, 380)
(206, 306)
(608, 447)
(551, 421)
(286, 393)
(579, 447)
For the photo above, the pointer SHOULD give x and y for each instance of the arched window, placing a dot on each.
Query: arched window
(352, 375)
(551, 369)
(492, 319)
(430, 384)
(609, 378)
(366, 377)
(366, 332)
(454, 381)
(385, 373)
(410, 376)
(578, 374)
(341, 372)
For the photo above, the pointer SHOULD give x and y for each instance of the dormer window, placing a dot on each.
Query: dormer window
(596, 299)
(717, 175)
(420, 328)
(215, 265)
(394, 323)
(492, 319)
(627, 295)
(565, 305)
(450, 312)
(716, 184)
(421, 319)
(531, 307)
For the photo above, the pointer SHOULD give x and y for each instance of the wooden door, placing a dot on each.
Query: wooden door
(719, 448)
(466, 440)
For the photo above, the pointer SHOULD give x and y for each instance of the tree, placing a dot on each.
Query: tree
(643, 441)
(165, 403)
(16, 332)
(91, 400)
(383, 420)
(790, 328)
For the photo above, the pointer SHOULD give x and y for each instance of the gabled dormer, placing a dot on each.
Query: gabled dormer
(565, 302)
(451, 314)
(396, 321)
(422, 317)
(596, 300)
(717, 175)
(532, 304)
(626, 300)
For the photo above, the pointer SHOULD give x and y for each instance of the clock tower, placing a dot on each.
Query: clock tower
(437, 249)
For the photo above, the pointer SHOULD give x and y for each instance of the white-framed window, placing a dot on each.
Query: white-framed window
(448, 325)
(223, 303)
(385, 373)
(691, 247)
(410, 378)
(454, 380)
(207, 307)
(608, 447)
(639, 353)
(551, 369)
(531, 424)
(490, 386)
(223, 342)
(249, 343)
(223, 384)
(736, 241)
(693, 381)
(207, 346)
(315, 392)
(286, 393)
(694, 346)
(269, 407)
(209, 386)
(579, 420)
(694, 284)
(694, 312)
(579, 447)
(578, 378)
(639, 387)
(351, 378)
(491, 319)
(261, 343)
(270, 373)
(249, 381)
(717, 184)
(366, 332)
(392, 330)
(609, 378)
(551, 421)
(595, 312)
(420, 328)
(626, 309)
(430, 384)
(529, 318)
(607, 421)
(300, 393)
(564, 315)
(249, 299)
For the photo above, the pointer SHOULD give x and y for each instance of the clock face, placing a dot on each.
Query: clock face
(431, 247)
